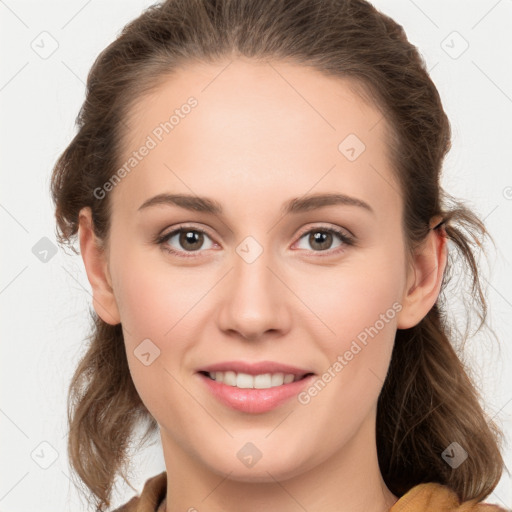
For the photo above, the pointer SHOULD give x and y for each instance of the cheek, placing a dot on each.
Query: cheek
(358, 307)
(359, 295)
(343, 317)
(158, 306)
(153, 298)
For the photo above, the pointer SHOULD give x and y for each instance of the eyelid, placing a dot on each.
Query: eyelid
(346, 237)
(161, 239)
(337, 229)
(181, 227)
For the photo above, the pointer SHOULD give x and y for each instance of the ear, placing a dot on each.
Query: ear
(96, 266)
(425, 276)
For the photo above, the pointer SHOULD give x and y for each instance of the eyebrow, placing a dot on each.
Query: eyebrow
(295, 205)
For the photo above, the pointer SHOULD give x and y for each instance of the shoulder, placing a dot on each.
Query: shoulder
(434, 496)
(150, 498)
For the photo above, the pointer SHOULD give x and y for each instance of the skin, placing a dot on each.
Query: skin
(261, 134)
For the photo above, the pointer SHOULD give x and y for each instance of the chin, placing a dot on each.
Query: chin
(276, 465)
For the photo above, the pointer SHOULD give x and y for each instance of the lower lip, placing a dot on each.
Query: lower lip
(252, 400)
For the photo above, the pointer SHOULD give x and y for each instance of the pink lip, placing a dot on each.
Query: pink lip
(250, 400)
(254, 368)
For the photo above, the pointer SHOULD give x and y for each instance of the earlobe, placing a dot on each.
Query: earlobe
(424, 280)
(96, 267)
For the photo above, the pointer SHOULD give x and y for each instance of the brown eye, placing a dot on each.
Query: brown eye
(184, 240)
(191, 240)
(321, 239)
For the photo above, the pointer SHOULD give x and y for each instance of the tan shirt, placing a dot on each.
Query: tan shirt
(429, 497)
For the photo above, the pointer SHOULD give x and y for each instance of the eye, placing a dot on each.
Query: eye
(321, 238)
(189, 239)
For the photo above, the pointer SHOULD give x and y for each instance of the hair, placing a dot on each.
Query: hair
(428, 399)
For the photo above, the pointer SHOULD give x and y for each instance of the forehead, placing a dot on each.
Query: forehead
(253, 126)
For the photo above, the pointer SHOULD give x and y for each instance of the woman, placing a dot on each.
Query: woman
(256, 190)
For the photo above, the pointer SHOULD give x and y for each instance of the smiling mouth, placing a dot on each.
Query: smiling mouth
(261, 381)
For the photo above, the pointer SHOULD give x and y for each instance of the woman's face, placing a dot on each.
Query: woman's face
(267, 288)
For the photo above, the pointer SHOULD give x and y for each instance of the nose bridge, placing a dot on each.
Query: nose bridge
(255, 299)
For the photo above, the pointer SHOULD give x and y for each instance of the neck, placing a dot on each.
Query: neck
(350, 480)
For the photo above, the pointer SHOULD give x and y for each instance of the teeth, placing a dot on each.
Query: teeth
(246, 381)
(229, 378)
(243, 380)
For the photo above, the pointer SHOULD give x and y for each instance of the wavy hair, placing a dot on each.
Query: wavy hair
(428, 399)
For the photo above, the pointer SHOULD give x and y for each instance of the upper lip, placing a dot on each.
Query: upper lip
(255, 368)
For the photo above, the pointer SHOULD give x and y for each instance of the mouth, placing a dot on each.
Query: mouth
(260, 381)
(254, 387)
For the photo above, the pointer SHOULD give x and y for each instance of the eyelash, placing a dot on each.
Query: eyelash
(347, 240)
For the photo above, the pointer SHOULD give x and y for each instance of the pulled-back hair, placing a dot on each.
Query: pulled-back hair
(428, 400)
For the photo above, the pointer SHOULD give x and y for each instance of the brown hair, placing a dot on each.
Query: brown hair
(427, 401)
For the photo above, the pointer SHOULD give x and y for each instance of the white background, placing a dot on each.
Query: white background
(44, 306)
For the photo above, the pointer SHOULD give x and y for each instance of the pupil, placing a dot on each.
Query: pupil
(189, 237)
(320, 238)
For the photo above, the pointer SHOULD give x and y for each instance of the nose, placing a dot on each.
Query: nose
(254, 303)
